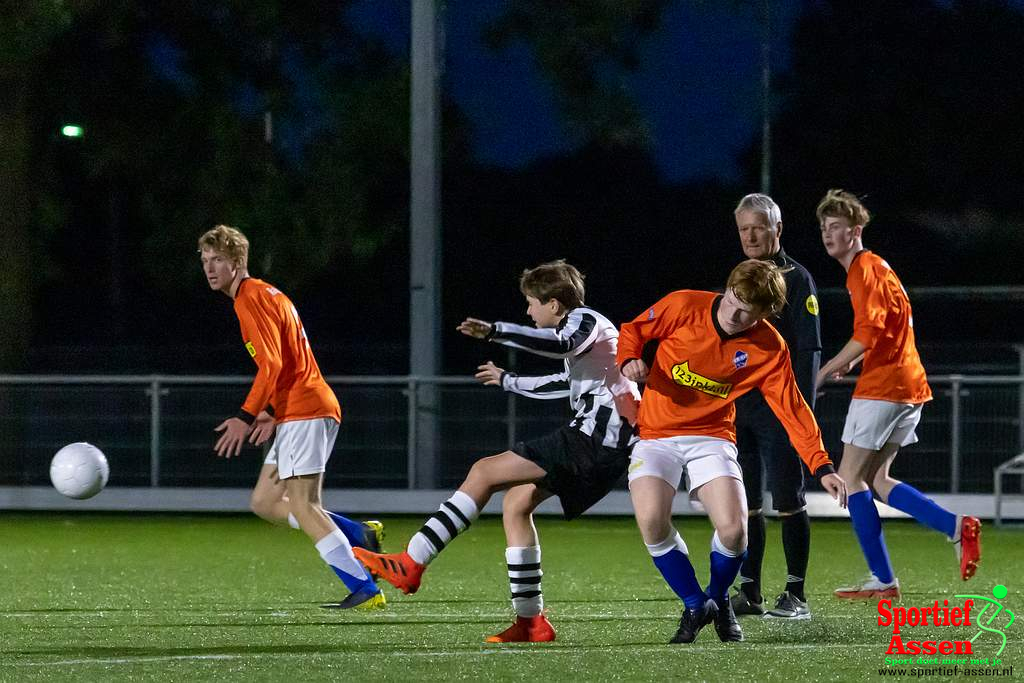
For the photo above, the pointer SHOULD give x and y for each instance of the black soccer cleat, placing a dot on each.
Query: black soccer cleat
(362, 599)
(742, 605)
(726, 626)
(693, 621)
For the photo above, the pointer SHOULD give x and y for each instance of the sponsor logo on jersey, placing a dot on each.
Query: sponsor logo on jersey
(683, 376)
(740, 359)
(250, 348)
(812, 304)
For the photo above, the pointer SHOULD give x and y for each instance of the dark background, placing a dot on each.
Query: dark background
(616, 134)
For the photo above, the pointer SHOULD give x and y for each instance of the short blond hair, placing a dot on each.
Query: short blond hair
(759, 284)
(228, 241)
(554, 280)
(843, 204)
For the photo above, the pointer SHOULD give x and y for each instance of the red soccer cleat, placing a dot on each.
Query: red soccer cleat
(526, 630)
(398, 569)
(968, 546)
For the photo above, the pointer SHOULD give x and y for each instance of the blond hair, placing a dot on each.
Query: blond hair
(843, 204)
(760, 285)
(554, 280)
(227, 241)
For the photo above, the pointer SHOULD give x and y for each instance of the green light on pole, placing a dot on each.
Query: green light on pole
(72, 131)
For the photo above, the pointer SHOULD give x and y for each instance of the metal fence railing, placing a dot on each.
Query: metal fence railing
(158, 430)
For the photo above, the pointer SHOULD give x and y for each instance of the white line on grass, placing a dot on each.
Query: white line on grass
(528, 650)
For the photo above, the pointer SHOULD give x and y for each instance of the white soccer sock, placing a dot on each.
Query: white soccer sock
(335, 550)
(674, 540)
(718, 547)
(524, 580)
(292, 522)
(454, 517)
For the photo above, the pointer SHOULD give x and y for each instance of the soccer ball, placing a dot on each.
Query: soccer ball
(79, 470)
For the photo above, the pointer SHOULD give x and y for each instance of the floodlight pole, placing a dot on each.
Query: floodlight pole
(425, 237)
(766, 100)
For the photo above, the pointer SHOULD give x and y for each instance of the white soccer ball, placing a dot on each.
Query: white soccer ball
(79, 470)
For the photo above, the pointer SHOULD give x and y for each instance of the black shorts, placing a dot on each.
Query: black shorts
(580, 471)
(761, 441)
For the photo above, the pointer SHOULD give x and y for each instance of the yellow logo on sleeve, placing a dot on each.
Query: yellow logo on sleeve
(685, 377)
(250, 348)
(812, 304)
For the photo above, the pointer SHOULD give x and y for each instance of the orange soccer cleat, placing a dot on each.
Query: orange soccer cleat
(968, 546)
(400, 570)
(526, 630)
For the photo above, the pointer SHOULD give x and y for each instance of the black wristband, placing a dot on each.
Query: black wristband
(824, 469)
(246, 417)
(491, 332)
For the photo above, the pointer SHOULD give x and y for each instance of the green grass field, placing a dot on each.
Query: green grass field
(139, 597)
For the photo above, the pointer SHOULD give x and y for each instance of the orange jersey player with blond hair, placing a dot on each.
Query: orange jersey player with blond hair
(713, 349)
(291, 397)
(887, 402)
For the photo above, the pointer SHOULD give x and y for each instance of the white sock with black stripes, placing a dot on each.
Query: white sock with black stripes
(524, 579)
(454, 516)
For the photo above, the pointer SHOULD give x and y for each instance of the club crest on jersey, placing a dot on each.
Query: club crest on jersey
(684, 376)
(740, 359)
(250, 348)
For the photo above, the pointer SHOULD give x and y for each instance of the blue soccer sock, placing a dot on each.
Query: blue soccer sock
(672, 561)
(354, 531)
(335, 550)
(925, 510)
(725, 565)
(868, 527)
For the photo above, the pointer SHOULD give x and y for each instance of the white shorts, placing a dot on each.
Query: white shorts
(872, 423)
(302, 446)
(703, 457)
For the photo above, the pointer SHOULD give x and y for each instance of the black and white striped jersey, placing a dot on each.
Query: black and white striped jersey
(605, 402)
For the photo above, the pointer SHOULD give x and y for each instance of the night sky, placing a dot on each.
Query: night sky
(699, 86)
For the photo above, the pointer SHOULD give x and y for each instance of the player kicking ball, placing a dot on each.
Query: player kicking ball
(713, 349)
(886, 405)
(579, 463)
(306, 416)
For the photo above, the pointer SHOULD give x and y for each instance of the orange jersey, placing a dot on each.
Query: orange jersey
(884, 324)
(288, 379)
(699, 372)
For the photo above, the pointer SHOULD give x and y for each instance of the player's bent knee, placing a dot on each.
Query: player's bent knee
(733, 536)
(262, 506)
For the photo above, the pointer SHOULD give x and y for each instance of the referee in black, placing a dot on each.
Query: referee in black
(760, 438)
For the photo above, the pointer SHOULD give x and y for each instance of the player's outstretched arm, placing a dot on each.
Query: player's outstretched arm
(473, 327)
(262, 428)
(230, 442)
(578, 334)
(841, 364)
(835, 486)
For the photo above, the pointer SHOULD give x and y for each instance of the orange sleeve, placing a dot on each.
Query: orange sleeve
(657, 322)
(869, 307)
(784, 398)
(263, 340)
